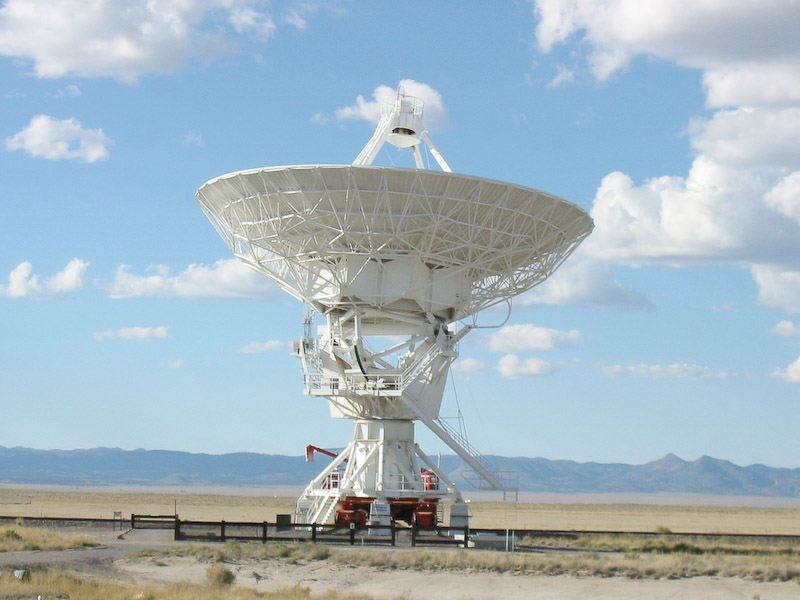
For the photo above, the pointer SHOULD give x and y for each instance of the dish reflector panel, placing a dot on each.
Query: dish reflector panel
(405, 241)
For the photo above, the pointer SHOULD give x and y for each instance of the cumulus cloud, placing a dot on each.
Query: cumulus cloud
(530, 337)
(786, 329)
(790, 373)
(469, 366)
(765, 136)
(778, 287)
(225, 279)
(715, 35)
(784, 198)
(125, 39)
(133, 333)
(23, 283)
(674, 371)
(268, 346)
(59, 139)
(587, 282)
(740, 201)
(435, 116)
(512, 367)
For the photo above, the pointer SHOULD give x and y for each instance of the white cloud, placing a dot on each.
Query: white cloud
(22, 283)
(512, 367)
(778, 287)
(754, 83)
(674, 371)
(193, 138)
(268, 346)
(786, 329)
(435, 114)
(718, 36)
(563, 76)
(784, 198)
(70, 91)
(587, 282)
(133, 333)
(245, 19)
(124, 39)
(764, 136)
(56, 139)
(469, 365)
(740, 201)
(530, 337)
(225, 279)
(790, 373)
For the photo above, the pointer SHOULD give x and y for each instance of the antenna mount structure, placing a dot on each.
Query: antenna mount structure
(391, 260)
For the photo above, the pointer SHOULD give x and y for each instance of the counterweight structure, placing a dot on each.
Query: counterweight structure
(395, 260)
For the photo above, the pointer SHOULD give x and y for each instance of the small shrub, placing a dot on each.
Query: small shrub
(663, 530)
(10, 535)
(219, 575)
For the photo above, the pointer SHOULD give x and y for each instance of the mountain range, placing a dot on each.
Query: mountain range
(113, 466)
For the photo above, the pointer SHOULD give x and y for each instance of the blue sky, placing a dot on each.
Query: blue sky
(674, 328)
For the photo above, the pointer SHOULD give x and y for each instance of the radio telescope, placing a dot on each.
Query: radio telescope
(395, 260)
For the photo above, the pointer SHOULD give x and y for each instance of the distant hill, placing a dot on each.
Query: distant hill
(113, 466)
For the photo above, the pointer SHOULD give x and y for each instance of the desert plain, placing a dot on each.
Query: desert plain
(152, 558)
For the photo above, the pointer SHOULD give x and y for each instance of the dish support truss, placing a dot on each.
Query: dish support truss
(384, 392)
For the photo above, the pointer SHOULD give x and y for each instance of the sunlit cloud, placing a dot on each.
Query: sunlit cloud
(786, 329)
(745, 177)
(512, 367)
(513, 338)
(790, 374)
(674, 371)
(23, 283)
(370, 110)
(132, 333)
(268, 346)
(469, 366)
(225, 279)
(126, 40)
(60, 139)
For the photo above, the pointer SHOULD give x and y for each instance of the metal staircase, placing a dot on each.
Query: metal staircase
(488, 478)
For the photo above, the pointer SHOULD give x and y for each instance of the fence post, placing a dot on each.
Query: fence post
(222, 530)
(177, 528)
(264, 534)
(314, 532)
(466, 536)
(413, 535)
(352, 533)
(393, 533)
(133, 521)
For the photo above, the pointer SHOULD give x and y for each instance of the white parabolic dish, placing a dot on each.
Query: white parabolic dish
(407, 242)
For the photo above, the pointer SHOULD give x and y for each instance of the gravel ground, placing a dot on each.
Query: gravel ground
(91, 561)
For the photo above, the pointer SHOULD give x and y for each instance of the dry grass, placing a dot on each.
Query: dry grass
(233, 551)
(633, 565)
(19, 537)
(60, 584)
(600, 557)
(667, 544)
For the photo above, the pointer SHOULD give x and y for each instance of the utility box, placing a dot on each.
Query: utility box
(459, 514)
